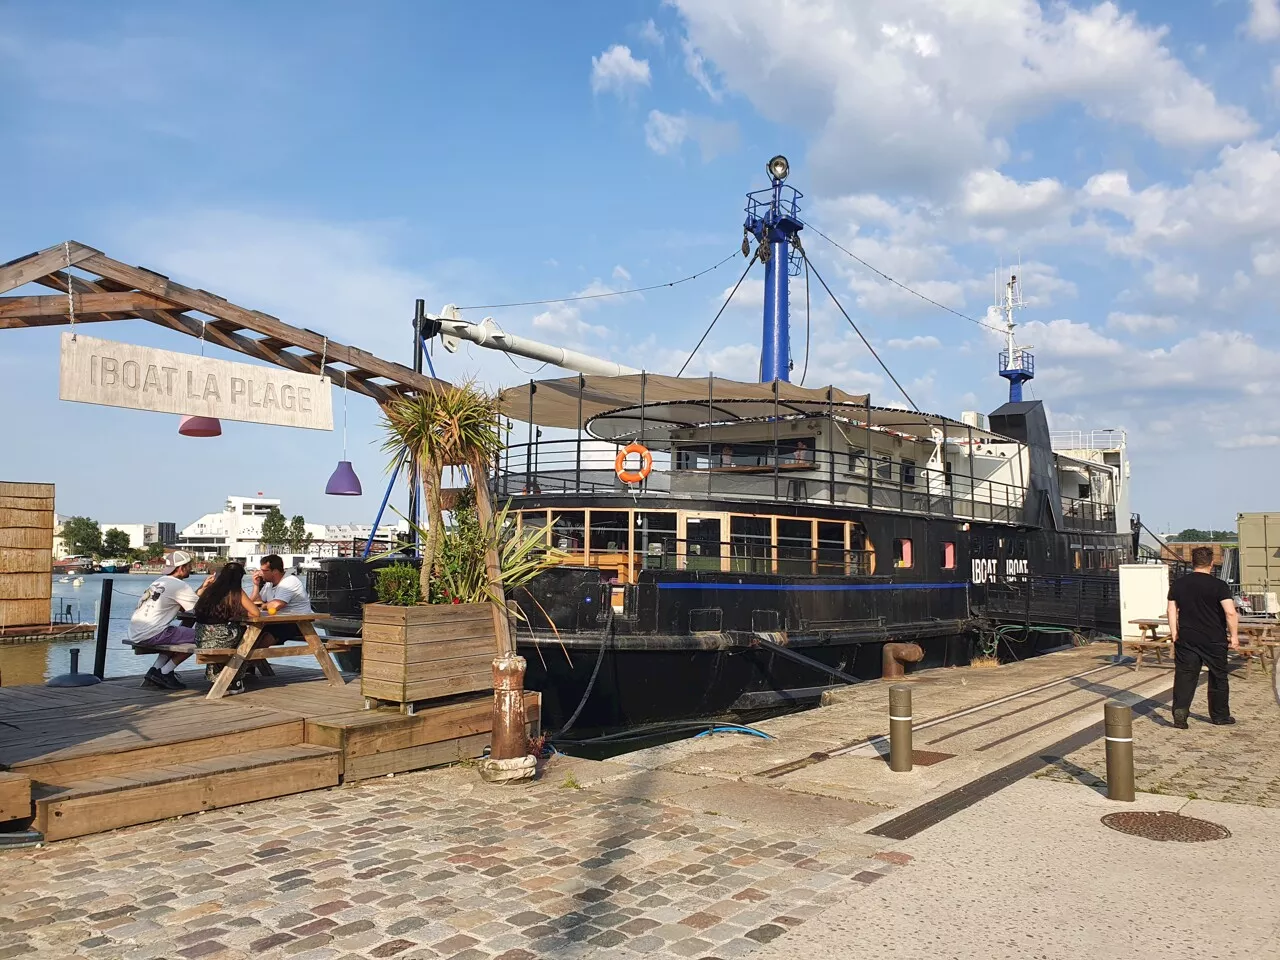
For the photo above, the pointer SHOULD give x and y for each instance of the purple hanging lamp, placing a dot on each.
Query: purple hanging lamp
(200, 426)
(344, 482)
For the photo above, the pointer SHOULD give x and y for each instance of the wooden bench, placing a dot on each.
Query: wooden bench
(260, 659)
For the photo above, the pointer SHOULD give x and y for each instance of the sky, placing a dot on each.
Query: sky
(330, 162)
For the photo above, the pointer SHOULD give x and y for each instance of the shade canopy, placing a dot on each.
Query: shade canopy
(343, 482)
(200, 427)
(611, 406)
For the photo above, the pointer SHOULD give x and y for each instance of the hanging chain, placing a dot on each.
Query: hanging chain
(71, 290)
(324, 356)
(344, 414)
(204, 325)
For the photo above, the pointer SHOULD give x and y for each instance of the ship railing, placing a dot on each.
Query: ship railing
(1087, 439)
(1088, 515)
(758, 472)
(1076, 601)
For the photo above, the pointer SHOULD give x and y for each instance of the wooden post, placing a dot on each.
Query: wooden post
(508, 739)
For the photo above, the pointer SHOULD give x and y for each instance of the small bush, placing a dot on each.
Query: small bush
(398, 586)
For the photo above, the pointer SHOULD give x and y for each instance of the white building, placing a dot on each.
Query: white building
(141, 535)
(236, 532)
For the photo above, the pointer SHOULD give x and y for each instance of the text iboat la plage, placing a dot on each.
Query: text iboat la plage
(144, 378)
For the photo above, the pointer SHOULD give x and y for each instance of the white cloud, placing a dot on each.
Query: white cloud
(696, 65)
(990, 195)
(915, 343)
(617, 71)
(666, 134)
(1067, 339)
(651, 35)
(1245, 441)
(1141, 322)
(1264, 19)
(935, 84)
(1168, 282)
(621, 273)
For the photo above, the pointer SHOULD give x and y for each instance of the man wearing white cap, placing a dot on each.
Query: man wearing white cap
(152, 623)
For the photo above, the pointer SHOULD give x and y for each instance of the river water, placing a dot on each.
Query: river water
(22, 663)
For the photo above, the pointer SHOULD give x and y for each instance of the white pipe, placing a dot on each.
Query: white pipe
(487, 334)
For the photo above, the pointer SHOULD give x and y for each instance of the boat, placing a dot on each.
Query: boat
(734, 548)
(115, 566)
(74, 565)
(64, 579)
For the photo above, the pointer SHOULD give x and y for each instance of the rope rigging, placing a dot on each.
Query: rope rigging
(719, 312)
(865, 341)
(900, 284)
(598, 296)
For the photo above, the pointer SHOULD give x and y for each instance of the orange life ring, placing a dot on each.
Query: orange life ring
(620, 463)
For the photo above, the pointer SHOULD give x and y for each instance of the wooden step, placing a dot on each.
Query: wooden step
(157, 741)
(15, 796)
(157, 793)
(377, 742)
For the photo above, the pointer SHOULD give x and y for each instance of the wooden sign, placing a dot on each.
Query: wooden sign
(143, 378)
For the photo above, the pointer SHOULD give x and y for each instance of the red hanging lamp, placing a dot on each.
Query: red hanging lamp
(192, 426)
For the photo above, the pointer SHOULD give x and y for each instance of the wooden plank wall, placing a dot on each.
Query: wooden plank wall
(26, 553)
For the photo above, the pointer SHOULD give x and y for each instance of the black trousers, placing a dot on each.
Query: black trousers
(1189, 656)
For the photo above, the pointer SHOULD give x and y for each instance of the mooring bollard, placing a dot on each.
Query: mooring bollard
(1118, 730)
(900, 728)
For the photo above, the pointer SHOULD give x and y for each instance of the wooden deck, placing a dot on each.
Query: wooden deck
(81, 760)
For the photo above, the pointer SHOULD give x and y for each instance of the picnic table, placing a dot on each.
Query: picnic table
(235, 660)
(1258, 637)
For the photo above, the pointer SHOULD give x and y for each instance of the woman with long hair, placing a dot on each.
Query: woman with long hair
(220, 613)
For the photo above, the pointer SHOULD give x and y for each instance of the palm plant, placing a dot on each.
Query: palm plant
(454, 425)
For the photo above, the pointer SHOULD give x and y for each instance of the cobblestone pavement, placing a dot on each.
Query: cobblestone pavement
(1238, 764)
(432, 864)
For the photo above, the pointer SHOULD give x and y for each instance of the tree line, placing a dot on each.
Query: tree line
(1195, 535)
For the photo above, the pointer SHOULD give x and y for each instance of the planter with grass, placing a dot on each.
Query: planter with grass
(415, 652)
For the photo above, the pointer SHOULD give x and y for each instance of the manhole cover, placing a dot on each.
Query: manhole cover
(1165, 825)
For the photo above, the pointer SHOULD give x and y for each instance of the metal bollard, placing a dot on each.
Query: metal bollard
(900, 728)
(1118, 727)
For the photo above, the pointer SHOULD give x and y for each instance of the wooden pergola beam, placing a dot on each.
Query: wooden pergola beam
(20, 308)
(262, 323)
(28, 269)
(122, 292)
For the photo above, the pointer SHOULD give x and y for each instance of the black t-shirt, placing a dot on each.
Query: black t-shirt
(1200, 615)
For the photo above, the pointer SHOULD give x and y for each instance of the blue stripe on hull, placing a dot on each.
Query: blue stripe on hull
(811, 587)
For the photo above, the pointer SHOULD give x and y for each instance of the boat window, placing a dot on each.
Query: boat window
(533, 518)
(608, 531)
(884, 468)
(908, 472)
(946, 472)
(568, 530)
(857, 466)
(702, 543)
(948, 555)
(902, 553)
(795, 546)
(656, 538)
(1076, 561)
(749, 545)
(831, 555)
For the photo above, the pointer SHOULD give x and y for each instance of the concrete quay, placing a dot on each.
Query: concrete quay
(726, 846)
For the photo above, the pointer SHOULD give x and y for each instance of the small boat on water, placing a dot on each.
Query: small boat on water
(64, 579)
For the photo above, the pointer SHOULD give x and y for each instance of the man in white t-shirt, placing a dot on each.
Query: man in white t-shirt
(278, 592)
(152, 622)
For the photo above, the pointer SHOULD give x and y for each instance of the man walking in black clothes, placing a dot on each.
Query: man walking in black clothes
(1202, 625)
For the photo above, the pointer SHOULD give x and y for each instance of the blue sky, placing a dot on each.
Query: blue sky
(328, 163)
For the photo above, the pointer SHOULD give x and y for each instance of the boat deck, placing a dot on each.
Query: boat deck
(81, 760)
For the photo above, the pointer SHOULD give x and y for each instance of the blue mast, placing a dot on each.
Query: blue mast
(773, 217)
(1017, 364)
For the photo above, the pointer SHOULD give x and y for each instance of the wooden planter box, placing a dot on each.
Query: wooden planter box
(427, 652)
